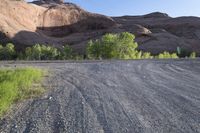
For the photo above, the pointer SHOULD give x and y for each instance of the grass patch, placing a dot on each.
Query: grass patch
(18, 84)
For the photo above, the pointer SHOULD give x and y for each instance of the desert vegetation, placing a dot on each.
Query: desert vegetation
(123, 46)
(8, 52)
(38, 52)
(17, 84)
(110, 46)
(167, 55)
(118, 46)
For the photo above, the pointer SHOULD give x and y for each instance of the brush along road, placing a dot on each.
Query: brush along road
(144, 96)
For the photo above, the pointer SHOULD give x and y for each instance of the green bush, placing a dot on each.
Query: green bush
(66, 53)
(41, 52)
(7, 52)
(118, 46)
(94, 49)
(193, 55)
(167, 55)
(147, 55)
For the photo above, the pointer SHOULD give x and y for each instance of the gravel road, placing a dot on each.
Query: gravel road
(144, 96)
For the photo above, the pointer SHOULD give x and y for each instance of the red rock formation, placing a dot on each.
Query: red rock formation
(55, 23)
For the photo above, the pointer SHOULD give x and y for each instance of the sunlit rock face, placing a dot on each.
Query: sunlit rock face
(53, 22)
(47, 23)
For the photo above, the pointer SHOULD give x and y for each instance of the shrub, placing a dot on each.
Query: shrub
(78, 57)
(94, 49)
(41, 52)
(49, 53)
(66, 53)
(119, 46)
(7, 52)
(167, 55)
(193, 55)
(174, 56)
(147, 55)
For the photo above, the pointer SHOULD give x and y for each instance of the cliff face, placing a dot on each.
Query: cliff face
(49, 23)
(56, 23)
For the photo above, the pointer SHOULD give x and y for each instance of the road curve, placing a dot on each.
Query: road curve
(145, 96)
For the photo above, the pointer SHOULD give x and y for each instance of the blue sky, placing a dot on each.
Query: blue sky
(139, 7)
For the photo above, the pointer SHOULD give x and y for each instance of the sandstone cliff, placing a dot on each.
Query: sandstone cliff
(56, 23)
(49, 23)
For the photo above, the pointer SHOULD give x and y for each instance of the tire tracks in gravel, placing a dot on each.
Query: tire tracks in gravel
(170, 99)
(145, 96)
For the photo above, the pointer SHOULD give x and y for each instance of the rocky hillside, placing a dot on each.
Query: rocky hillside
(55, 23)
(158, 31)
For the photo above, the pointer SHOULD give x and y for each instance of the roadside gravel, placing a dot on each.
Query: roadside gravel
(144, 96)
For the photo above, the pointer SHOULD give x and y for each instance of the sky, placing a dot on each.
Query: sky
(174, 8)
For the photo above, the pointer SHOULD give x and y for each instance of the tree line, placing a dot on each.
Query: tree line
(110, 46)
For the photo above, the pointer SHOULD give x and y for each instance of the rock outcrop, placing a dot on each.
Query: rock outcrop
(56, 1)
(156, 15)
(56, 23)
(39, 2)
(49, 23)
(164, 32)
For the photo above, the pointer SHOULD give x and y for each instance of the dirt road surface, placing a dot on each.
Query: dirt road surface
(145, 96)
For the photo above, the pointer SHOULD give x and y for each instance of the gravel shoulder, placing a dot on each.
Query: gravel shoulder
(144, 96)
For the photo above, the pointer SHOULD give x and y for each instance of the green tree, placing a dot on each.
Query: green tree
(41, 52)
(28, 53)
(119, 46)
(94, 50)
(49, 53)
